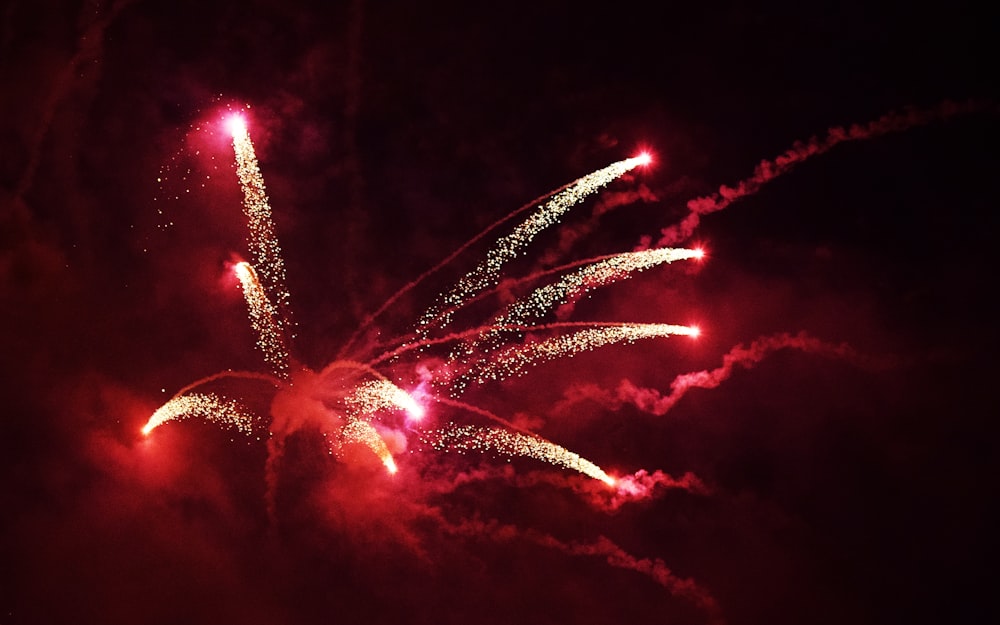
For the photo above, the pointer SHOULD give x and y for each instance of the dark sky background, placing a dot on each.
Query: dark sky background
(855, 489)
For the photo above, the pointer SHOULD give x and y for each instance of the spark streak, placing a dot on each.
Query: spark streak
(507, 247)
(263, 242)
(483, 439)
(587, 278)
(373, 396)
(358, 431)
(514, 360)
(207, 406)
(263, 319)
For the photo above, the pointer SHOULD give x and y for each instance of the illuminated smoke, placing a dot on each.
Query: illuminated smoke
(463, 438)
(263, 319)
(206, 406)
(801, 151)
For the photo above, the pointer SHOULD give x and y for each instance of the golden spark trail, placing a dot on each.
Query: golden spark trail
(207, 406)
(375, 395)
(514, 360)
(264, 319)
(571, 286)
(263, 242)
(482, 439)
(358, 431)
(643, 159)
(507, 247)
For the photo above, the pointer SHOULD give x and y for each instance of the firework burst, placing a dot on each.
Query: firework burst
(351, 400)
(374, 394)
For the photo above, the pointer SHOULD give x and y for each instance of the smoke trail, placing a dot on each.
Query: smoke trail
(357, 222)
(603, 547)
(767, 170)
(654, 402)
(640, 486)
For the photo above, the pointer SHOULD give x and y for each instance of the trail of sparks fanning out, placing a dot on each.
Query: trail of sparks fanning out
(263, 319)
(507, 247)
(207, 406)
(263, 242)
(542, 300)
(515, 360)
(462, 438)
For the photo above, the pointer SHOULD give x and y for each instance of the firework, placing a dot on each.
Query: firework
(516, 359)
(263, 242)
(462, 438)
(364, 433)
(345, 397)
(508, 247)
(263, 319)
(206, 406)
(374, 396)
(572, 286)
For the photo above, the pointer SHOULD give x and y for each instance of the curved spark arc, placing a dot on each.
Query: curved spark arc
(507, 247)
(364, 433)
(263, 319)
(572, 286)
(404, 343)
(207, 406)
(462, 438)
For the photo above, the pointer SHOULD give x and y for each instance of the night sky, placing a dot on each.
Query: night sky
(842, 469)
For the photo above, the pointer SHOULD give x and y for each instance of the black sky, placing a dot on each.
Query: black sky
(851, 486)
